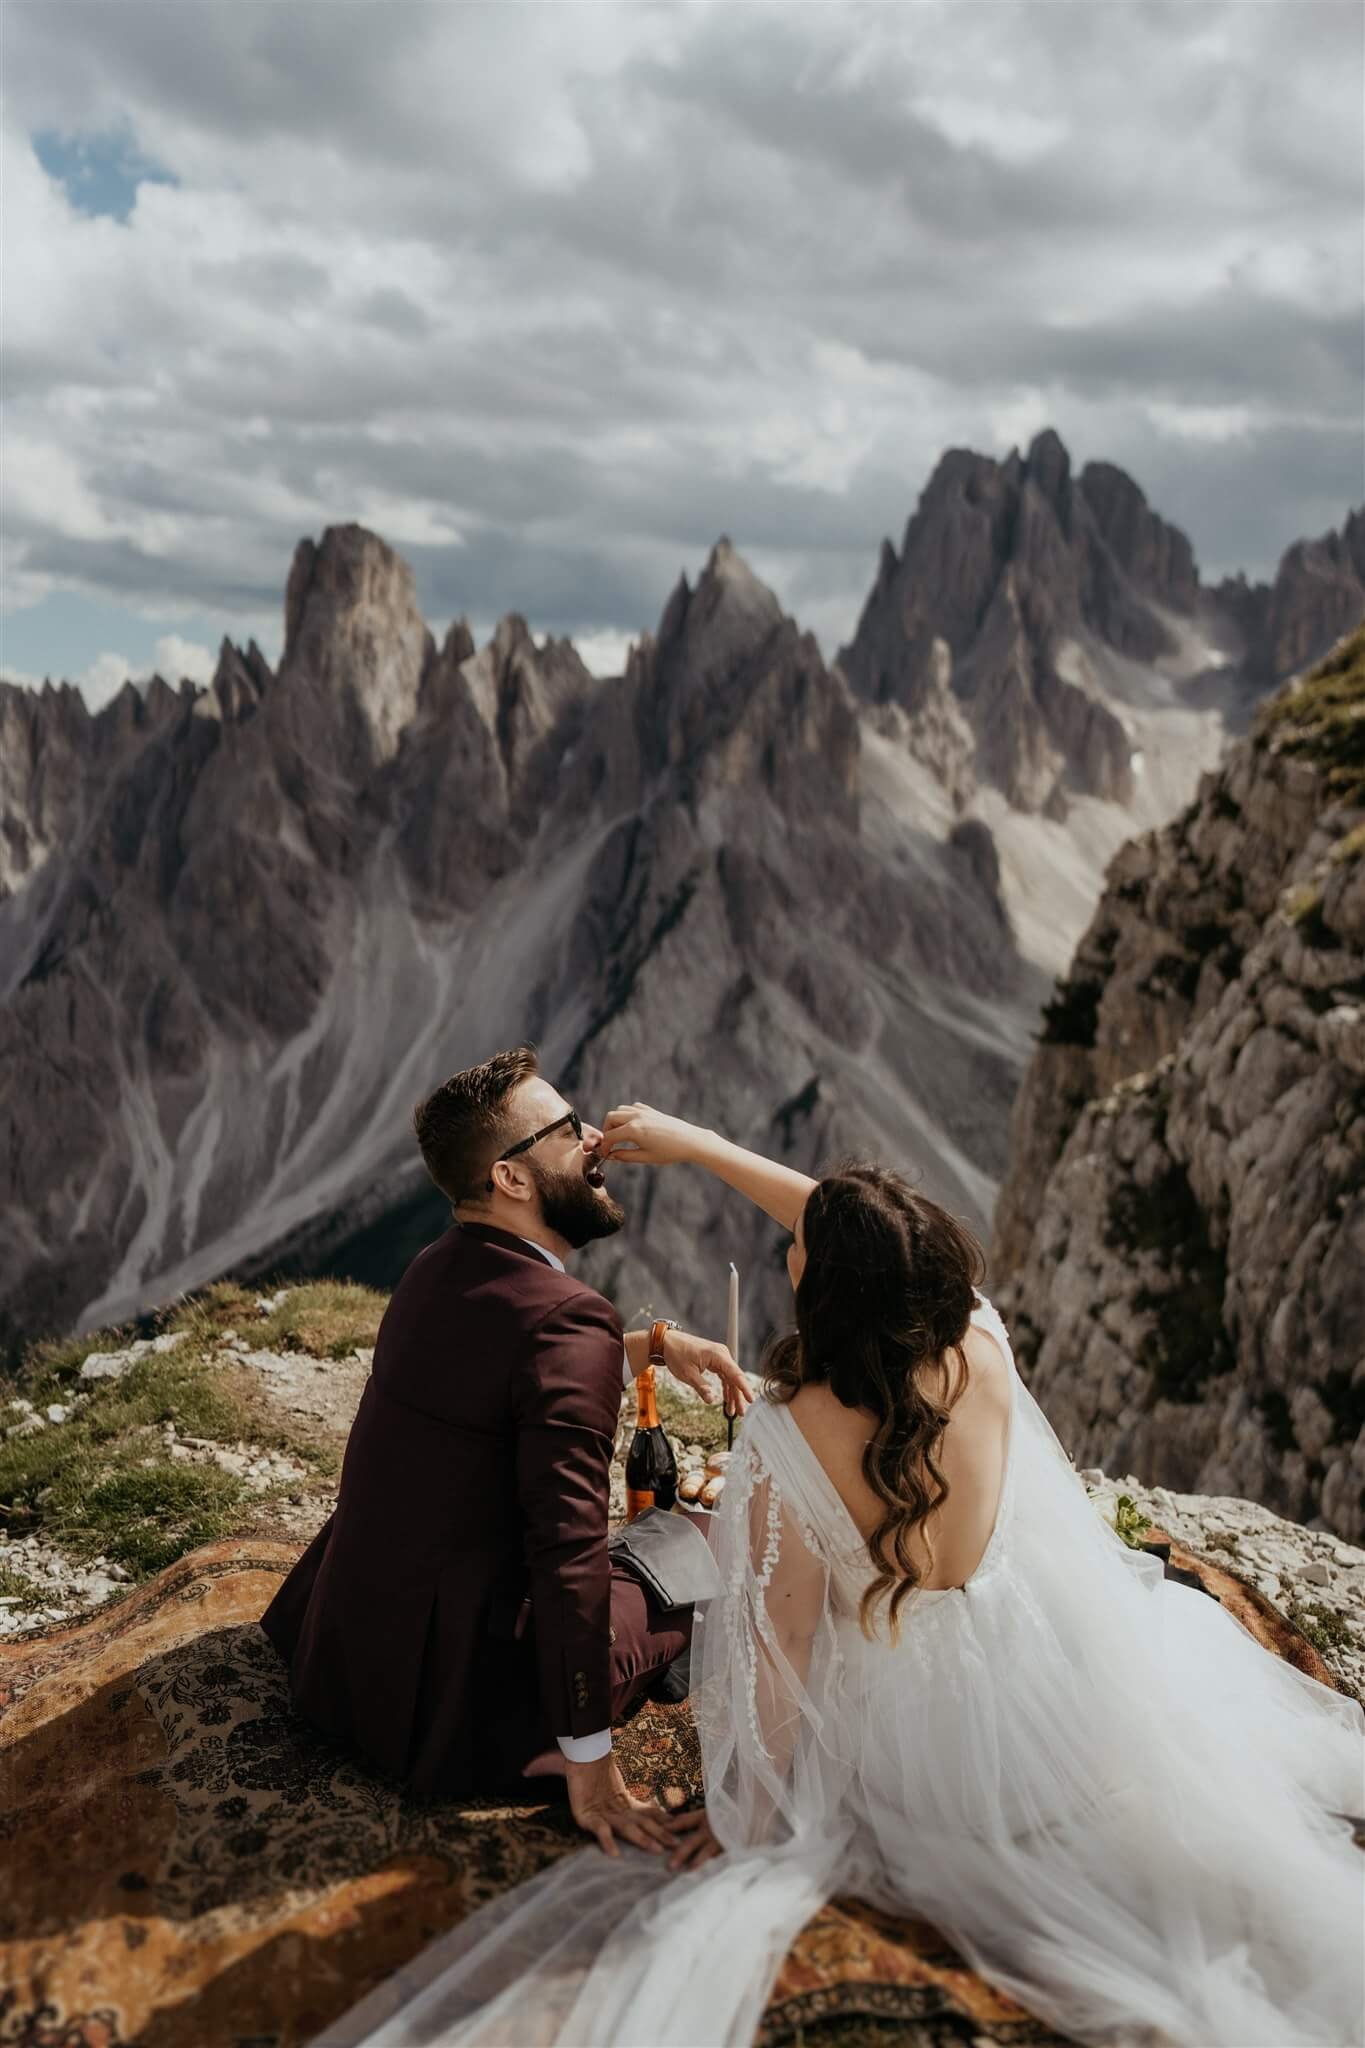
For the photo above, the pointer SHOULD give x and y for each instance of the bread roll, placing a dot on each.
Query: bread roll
(717, 1461)
(689, 1489)
(712, 1491)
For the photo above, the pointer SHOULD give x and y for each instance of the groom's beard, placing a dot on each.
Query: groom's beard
(575, 1211)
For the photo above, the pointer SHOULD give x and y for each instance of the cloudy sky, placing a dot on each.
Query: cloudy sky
(553, 295)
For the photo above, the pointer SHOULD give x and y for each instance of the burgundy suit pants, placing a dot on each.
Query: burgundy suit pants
(512, 1725)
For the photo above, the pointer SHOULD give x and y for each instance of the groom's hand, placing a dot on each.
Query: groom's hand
(603, 1806)
(691, 1359)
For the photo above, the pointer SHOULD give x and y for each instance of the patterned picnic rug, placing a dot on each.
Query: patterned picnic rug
(183, 1864)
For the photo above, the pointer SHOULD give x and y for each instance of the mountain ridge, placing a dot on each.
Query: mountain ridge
(244, 926)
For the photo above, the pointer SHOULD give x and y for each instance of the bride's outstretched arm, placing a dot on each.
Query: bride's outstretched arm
(640, 1136)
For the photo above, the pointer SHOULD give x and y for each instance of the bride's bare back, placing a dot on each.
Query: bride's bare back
(971, 1457)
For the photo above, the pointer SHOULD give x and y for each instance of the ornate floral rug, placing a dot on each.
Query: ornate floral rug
(183, 1864)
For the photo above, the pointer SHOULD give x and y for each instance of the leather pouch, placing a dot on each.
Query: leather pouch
(671, 1559)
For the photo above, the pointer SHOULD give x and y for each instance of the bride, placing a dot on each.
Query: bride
(936, 1680)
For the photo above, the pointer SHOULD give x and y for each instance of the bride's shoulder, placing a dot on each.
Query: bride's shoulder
(987, 1319)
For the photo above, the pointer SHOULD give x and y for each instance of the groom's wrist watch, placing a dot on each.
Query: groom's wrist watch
(656, 1338)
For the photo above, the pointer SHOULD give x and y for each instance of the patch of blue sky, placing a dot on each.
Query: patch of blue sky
(100, 174)
(61, 636)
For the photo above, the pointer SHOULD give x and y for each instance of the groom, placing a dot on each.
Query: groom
(459, 1620)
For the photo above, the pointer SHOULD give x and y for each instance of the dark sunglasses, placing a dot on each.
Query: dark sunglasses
(570, 1116)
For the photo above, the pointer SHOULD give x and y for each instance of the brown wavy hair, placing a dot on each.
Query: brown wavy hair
(886, 1294)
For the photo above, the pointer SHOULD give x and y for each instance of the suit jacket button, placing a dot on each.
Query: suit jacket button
(611, 1635)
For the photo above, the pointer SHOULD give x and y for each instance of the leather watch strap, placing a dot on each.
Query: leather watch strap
(656, 1342)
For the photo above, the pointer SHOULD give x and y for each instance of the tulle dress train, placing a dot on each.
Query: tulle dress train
(1090, 1778)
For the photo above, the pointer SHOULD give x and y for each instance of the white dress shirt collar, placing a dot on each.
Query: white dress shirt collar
(544, 1251)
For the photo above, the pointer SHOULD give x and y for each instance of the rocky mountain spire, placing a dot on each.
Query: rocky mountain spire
(997, 573)
(354, 634)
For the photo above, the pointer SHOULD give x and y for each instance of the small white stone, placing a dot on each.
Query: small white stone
(1316, 1573)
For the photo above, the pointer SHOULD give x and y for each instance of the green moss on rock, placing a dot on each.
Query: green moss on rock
(1322, 718)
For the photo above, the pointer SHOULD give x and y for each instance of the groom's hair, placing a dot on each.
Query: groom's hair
(464, 1125)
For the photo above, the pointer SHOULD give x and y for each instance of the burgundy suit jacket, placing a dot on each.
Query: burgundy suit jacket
(476, 1478)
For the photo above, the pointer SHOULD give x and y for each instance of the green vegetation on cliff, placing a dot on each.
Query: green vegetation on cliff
(1323, 718)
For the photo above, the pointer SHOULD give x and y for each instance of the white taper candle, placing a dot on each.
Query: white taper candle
(732, 1321)
(732, 1342)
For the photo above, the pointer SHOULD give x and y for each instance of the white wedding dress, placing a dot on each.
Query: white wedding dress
(1091, 1779)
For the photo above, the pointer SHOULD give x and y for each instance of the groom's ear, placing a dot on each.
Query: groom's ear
(509, 1177)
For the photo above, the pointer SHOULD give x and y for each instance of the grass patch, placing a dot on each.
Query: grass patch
(146, 1515)
(1130, 1524)
(1301, 906)
(1323, 718)
(327, 1318)
(1351, 846)
(1324, 1630)
(102, 1482)
(16, 1586)
(1226, 1541)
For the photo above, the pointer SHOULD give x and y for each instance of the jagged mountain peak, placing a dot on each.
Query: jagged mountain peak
(354, 635)
(728, 616)
(349, 569)
(458, 644)
(64, 693)
(521, 690)
(1048, 464)
(239, 682)
(1044, 590)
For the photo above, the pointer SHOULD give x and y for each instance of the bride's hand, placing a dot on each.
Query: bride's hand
(694, 1841)
(640, 1136)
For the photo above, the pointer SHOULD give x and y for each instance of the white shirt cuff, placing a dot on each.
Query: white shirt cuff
(586, 1749)
(627, 1376)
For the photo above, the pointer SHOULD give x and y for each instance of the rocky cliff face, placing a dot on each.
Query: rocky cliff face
(1183, 1223)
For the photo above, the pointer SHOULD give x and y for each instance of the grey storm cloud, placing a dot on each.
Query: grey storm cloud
(554, 295)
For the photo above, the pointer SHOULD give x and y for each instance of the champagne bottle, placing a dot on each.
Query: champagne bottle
(651, 1468)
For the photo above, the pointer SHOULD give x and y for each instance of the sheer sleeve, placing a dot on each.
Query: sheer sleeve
(767, 1706)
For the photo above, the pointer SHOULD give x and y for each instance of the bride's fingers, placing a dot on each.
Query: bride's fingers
(653, 1819)
(637, 1829)
(694, 1850)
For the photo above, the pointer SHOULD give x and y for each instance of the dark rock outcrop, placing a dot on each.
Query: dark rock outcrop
(1183, 1223)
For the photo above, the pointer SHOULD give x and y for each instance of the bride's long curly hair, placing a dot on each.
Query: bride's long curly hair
(886, 1294)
